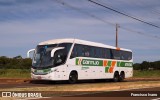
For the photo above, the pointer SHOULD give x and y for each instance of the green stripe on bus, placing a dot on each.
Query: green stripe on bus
(77, 61)
(126, 64)
(118, 64)
(106, 69)
(90, 62)
(109, 63)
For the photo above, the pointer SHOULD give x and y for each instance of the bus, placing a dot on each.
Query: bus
(75, 59)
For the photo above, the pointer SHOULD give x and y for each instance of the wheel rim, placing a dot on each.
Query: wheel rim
(73, 78)
(122, 77)
(116, 77)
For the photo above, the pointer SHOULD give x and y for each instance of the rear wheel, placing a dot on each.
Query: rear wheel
(116, 77)
(122, 77)
(73, 77)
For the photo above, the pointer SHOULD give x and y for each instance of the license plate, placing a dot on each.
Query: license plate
(39, 71)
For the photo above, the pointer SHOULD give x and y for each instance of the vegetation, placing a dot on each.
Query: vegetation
(15, 63)
(146, 74)
(16, 67)
(25, 63)
(19, 67)
(15, 73)
(147, 66)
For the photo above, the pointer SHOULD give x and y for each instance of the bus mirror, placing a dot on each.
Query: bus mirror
(54, 50)
(29, 51)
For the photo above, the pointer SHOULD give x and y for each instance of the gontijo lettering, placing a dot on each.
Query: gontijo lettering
(90, 62)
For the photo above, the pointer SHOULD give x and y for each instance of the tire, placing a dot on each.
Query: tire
(73, 77)
(116, 77)
(122, 77)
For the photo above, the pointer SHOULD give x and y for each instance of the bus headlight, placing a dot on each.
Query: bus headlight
(32, 70)
(50, 71)
(55, 70)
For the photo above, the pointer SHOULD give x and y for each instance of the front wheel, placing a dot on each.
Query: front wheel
(73, 77)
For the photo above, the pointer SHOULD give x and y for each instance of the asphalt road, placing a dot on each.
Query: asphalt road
(51, 83)
(152, 94)
(100, 98)
(110, 95)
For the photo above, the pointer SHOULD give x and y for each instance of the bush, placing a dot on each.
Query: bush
(15, 63)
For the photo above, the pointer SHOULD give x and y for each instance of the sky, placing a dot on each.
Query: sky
(25, 23)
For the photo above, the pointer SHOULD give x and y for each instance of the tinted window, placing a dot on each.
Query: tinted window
(116, 54)
(86, 51)
(106, 53)
(66, 45)
(98, 52)
(126, 55)
(42, 56)
(121, 55)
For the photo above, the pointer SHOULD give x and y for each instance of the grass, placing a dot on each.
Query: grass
(25, 73)
(146, 74)
(14, 73)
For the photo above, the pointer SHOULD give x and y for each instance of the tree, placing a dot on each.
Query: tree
(18, 57)
(136, 66)
(145, 65)
(15, 63)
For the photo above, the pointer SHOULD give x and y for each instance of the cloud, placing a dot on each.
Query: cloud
(25, 23)
(15, 31)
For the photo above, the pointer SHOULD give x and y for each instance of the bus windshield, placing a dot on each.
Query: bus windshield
(42, 56)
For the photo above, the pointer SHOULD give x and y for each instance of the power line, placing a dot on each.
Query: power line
(102, 20)
(135, 4)
(124, 14)
(141, 33)
(151, 10)
(84, 12)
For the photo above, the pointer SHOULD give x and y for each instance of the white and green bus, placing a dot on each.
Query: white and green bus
(75, 59)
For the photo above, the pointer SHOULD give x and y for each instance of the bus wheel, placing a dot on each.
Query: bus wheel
(73, 77)
(116, 77)
(121, 77)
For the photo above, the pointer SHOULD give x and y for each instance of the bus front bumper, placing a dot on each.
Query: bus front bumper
(49, 76)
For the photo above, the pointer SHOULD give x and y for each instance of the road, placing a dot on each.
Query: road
(105, 95)
(154, 94)
(25, 84)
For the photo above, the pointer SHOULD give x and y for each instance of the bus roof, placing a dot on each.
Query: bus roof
(78, 41)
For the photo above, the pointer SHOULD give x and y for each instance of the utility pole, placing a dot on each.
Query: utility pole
(117, 35)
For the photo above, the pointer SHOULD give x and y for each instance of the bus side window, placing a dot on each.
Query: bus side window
(74, 52)
(125, 55)
(91, 50)
(104, 53)
(86, 52)
(122, 55)
(117, 54)
(107, 53)
(99, 52)
(79, 50)
(129, 55)
(111, 52)
(95, 52)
